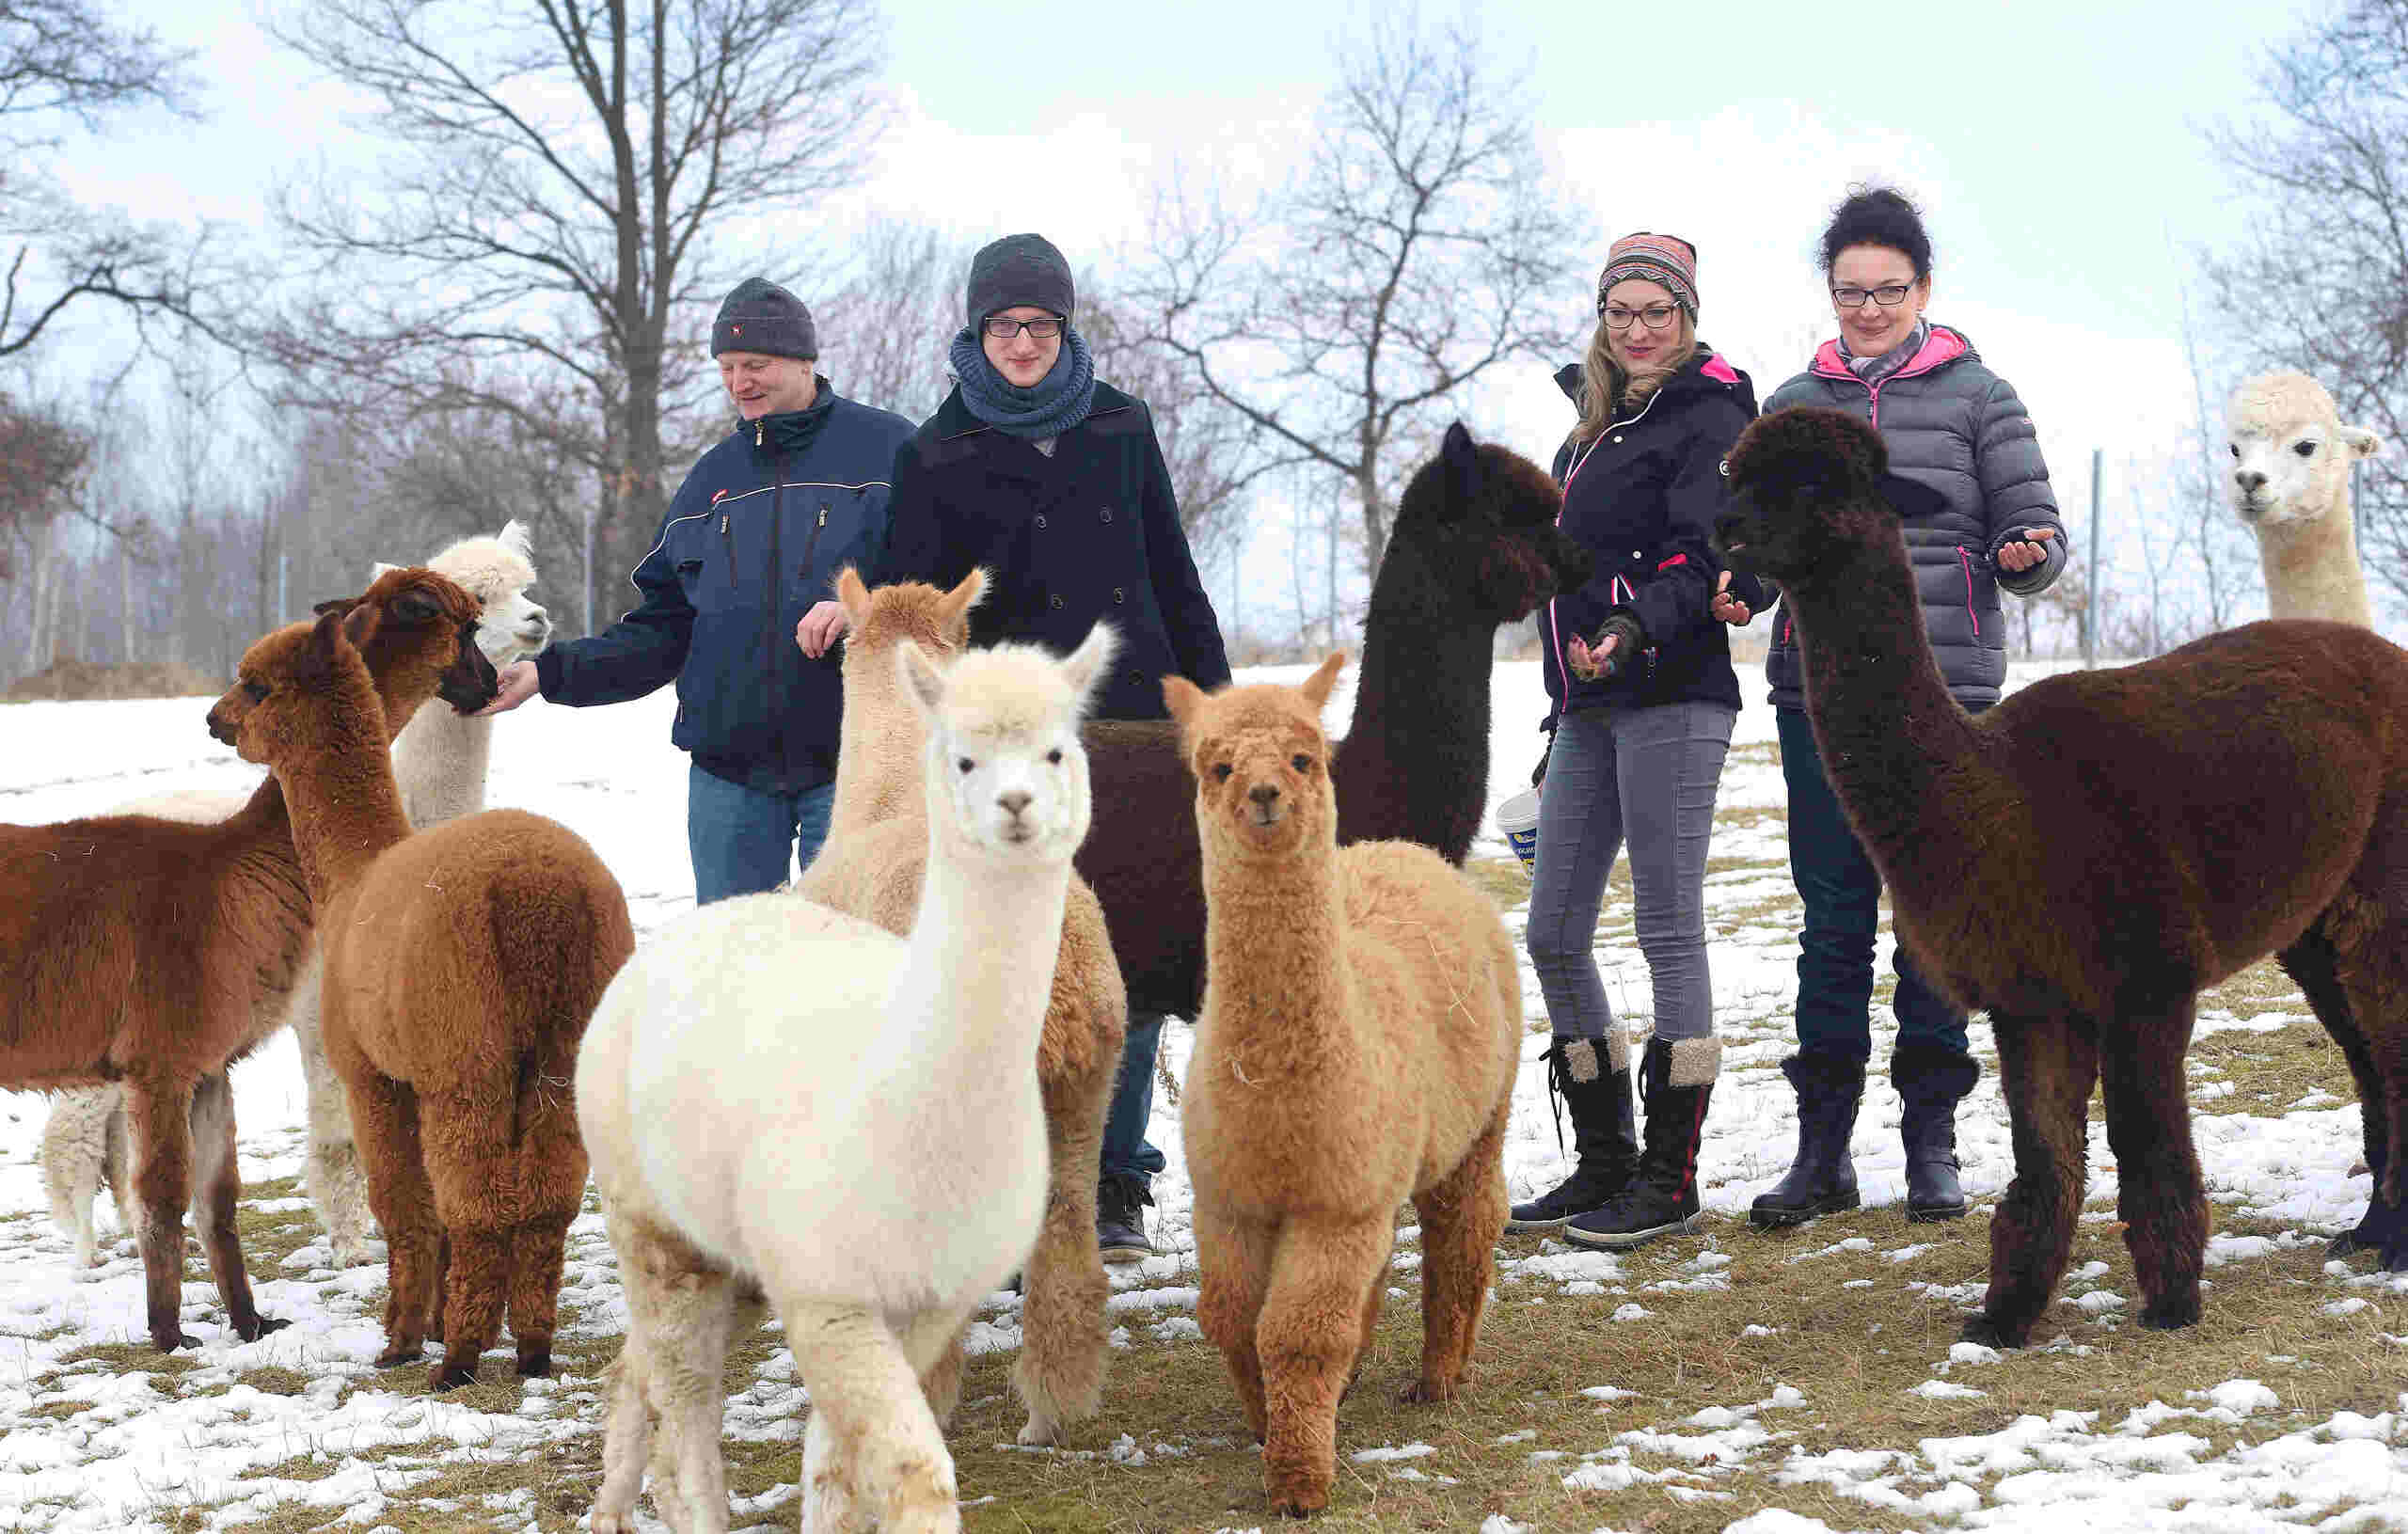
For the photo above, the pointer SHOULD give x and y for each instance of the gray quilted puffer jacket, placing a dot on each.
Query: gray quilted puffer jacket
(1952, 424)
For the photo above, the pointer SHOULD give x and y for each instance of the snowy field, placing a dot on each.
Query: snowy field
(117, 1446)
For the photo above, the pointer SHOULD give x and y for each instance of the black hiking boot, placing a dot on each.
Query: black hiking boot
(1676, 1082)
(1931, 1082)
(1119, 1218)
(1605, 1136)
(1822, 1180)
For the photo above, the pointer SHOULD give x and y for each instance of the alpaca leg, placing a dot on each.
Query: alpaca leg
(1064, 1339)
(467, 1140)
(1461, 1216)
(1307, 1336)
(2374, 971)
(552, 1187)
(940, 1382)
(686, 1311)
(2161, 1198)
(1235, 1260)
(2049, 1066)
(331, 1172)
(881, 1456)
(385, 1115)
(74, 1156)
(159, 1117)
(626, 1433)
(2313, 964)
(218, 1185)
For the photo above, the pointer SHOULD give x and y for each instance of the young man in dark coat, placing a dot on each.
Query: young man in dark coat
(735, 605)
(1053, 482)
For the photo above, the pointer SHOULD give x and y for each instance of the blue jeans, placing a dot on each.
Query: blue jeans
(1841, 892)
(1644, 778)
(744, 840)
(1126, 1151)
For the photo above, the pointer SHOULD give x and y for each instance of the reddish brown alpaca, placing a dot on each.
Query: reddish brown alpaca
(461, 967)
(2081, 860)
(1358, 1047)
(145, 951)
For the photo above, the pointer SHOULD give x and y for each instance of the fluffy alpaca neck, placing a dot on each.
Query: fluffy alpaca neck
(2312, 569)
(1895, 744)
(346, 806)
(979, 967)
(882, 736)
(1414, 763)
(1276, 973)
(440, 760)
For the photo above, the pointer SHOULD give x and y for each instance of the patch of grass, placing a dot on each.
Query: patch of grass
(269, 1236)
(275, 1380)
(1502, 880)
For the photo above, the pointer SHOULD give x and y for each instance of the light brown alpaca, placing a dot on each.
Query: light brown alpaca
(143, 951)
(461, 967)
(871, 867)
(1361, 1024)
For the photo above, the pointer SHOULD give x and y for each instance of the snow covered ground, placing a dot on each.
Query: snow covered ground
(101, 1446)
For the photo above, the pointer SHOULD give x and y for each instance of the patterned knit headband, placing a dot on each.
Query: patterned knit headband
(1665, 259)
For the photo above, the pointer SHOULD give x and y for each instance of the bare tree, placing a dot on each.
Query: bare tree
(571, 163)
(1205, 441)
(1421, 246)
(2319, 280)
(883, 334)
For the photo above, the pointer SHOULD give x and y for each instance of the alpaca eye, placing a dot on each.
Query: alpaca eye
(966, 765)
(2305, 449)
(1054, 756)
(2235, 446)
(255, 691)
(1221, 773)
(1301, 762)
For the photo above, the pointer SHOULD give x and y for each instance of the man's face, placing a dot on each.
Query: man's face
(762, 384)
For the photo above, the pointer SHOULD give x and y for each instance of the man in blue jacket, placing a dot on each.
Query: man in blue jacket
(735, 606)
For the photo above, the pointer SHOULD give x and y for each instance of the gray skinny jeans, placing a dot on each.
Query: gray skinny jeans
(1648, 777)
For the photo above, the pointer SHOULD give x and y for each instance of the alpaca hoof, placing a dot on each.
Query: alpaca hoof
(535, 1362)
(261, 1326)
(1991, 1333)
(1299, 1504)
(1038, 1431)
(173, 1338)
(399, 1353)
(449, 1375)
(1427, 1392)
(2170, 1315)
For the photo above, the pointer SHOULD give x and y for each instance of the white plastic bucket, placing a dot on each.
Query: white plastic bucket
(1519, 818)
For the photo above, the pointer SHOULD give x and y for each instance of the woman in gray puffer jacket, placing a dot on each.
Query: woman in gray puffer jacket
(1956, 427)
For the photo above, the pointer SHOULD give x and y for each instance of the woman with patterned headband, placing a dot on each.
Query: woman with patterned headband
(1639, 675)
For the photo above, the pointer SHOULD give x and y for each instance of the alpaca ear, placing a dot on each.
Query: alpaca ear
(852, 595)
(331, 636)
(922, 681)
(1087, 662)
(360, 623)
(1182, 698)
(2361, 442)
(518, 538)
(953, 613)
(1318, 685)
(336, 604)
(380, 567)
(1462, 458)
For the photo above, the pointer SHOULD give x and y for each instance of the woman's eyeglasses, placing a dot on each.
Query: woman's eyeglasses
(1655, 316)
(1890, 295)
(1004, 329)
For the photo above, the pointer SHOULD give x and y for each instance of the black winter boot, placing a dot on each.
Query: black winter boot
(1822, 1180)
(1605, 1136)
(1676, 1082)
(1121, 1219)
(1931, 1082)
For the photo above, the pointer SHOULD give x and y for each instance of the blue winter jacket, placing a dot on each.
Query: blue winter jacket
(753, 540)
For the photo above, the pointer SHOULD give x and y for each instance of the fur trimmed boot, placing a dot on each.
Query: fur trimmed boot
(1605, 1134)
(1822, 1180)
(1676, 1082)
(1931, 1082)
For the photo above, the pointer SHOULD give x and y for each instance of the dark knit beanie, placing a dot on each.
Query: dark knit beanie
(1664, 259)
(1019, 269)
(760, 316)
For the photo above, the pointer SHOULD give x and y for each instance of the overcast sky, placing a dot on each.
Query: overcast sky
(2055, 144)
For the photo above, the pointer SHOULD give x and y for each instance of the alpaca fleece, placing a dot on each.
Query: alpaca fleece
(1357, 1047)
(2081, 860)
(2291, 455)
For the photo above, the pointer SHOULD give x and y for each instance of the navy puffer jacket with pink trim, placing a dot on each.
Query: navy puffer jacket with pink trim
(1956, 427)
(1642, 496)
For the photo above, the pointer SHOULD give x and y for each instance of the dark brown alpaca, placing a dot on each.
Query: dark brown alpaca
(1475, 547)
(147, 951)
(461, 967)
(2081, 860)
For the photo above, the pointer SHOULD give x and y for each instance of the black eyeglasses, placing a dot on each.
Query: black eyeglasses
(1889, 295)
(1655, 316)
(1003, 328)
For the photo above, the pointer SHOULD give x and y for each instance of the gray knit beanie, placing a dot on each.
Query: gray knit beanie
(1019, 269)
(760, 316)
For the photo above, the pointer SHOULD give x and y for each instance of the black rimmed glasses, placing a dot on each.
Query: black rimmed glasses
(1003, 328)
(1889, 295)
(1655, 316)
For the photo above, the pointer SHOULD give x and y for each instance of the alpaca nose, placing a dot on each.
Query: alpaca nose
(1263, 794)
(1015, 802)
(218, 730)
(2249, 478)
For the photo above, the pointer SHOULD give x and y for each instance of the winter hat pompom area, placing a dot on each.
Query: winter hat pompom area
(760, 316)
(1019, 269)
(1664, 259)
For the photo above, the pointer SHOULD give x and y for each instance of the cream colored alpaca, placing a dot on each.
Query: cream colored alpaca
(1361, 1026)
(440, 759)
(764, 1058)
(870, 866)
(2290, 483)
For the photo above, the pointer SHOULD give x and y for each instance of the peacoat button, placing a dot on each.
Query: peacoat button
(1056, 603)
(1107, 514)
(1136, 679)
(1119, 596)
(1040, 520)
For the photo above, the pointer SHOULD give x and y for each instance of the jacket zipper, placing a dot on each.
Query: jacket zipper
(811, 544)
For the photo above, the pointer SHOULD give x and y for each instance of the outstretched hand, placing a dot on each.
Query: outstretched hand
(2028, 551)
(1589, 665)
(519, 683)
(1727, 608)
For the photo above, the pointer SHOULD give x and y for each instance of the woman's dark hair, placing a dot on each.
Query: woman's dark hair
(1877, 215)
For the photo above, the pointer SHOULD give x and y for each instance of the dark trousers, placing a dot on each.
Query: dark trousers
(1126, 1151)
(1841, 892)
(744, 840)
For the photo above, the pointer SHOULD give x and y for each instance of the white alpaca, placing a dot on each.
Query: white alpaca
(761, 1061)
(2290, 483)
(440, 759)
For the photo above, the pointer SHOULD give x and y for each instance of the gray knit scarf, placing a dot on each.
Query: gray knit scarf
(1875, 368)
(1058, 401)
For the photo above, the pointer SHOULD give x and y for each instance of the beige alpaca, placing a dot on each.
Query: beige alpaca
(440, 759)
(1361, 1026)
(871, 867)
(2290, 483)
